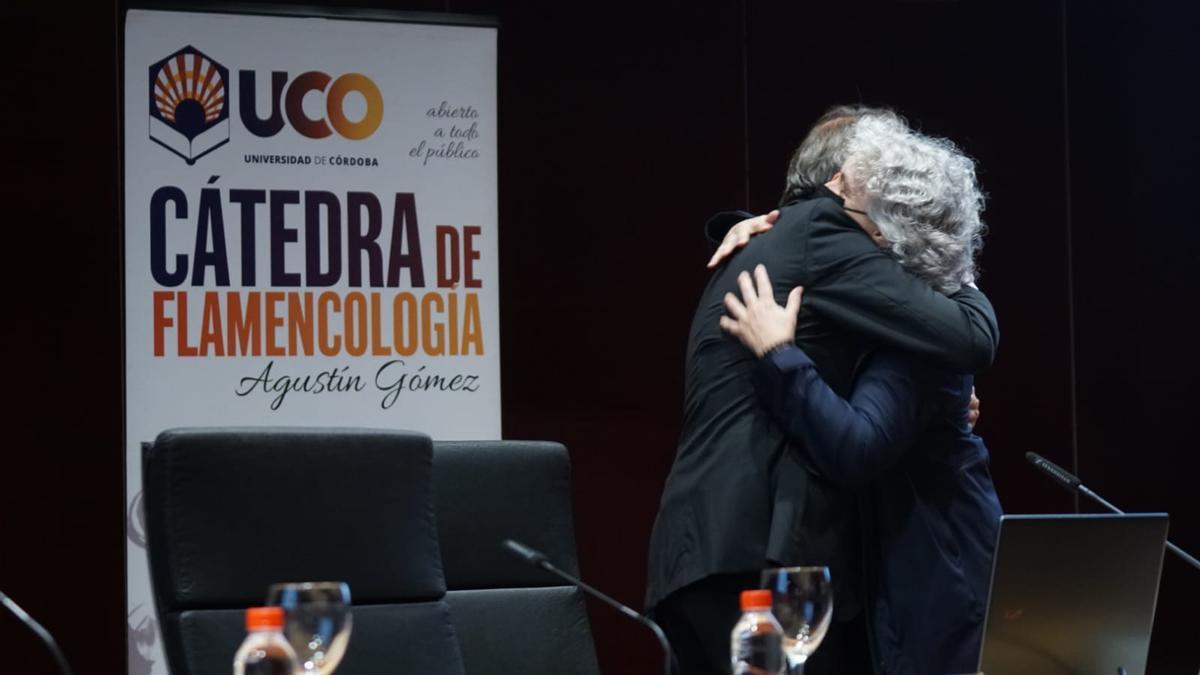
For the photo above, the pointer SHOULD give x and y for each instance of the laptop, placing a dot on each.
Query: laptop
(1073, 594)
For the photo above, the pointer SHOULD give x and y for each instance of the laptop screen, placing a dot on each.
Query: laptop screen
(1073, 594)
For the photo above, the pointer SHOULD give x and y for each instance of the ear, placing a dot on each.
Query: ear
(837, 185)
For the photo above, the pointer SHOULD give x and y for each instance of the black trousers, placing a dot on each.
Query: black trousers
(698, 620)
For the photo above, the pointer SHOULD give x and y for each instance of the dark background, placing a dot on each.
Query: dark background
(622, 127)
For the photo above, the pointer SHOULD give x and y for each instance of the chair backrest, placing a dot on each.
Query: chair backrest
(230, 511)
(510, 617)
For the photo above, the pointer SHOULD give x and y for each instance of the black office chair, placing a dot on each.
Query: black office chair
(230, 511)
(510, 617)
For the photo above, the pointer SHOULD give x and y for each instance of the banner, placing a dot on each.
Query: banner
(310, 235)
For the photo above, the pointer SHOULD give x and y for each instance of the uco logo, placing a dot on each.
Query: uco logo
(290, 97)
(189, 109)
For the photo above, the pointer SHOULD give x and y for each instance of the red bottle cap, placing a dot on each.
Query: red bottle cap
(756, 600)
(260, 618)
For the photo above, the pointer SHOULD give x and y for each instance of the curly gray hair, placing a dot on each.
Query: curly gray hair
(922, 193)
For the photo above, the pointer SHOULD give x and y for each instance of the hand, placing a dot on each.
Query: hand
(973, 410)
(739, 234)
(761, 324)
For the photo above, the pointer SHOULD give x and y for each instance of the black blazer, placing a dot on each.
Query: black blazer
(736, 500)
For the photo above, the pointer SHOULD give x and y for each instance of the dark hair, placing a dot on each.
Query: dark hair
(823, 151)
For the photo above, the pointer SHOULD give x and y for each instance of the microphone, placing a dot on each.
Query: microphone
(538, 559)
(1071, 482)
(1053, 470)
(535, 558)
(39, 630)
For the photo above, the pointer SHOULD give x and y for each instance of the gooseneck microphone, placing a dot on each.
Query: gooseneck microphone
(1071, 482)
(37, 629)
(538, 559)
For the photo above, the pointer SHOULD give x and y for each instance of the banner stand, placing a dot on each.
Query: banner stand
(310, 231)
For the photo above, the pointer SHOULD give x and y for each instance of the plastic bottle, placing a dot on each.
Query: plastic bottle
(265, 651)
(756, 645)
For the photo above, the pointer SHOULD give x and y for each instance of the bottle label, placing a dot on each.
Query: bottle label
(760, 653)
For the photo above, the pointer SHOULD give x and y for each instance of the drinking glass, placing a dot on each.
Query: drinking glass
(802, 601)
(316, 621)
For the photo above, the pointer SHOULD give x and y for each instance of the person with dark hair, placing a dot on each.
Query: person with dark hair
(740, 497)
(824, 150)
(815, 161)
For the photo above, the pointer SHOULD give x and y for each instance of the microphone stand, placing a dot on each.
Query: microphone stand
(1071, 482)
(538, 559)
(39, 630)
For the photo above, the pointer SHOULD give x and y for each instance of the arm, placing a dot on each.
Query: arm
(849, 442)
(861, 287)
(720, 224)
(728, 231)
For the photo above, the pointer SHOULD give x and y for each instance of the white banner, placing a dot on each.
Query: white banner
(310, 235)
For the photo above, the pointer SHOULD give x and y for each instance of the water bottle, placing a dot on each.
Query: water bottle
(756, 645)
(265, 651)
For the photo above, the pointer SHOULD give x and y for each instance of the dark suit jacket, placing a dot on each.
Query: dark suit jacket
(736, 499)
(931, 513)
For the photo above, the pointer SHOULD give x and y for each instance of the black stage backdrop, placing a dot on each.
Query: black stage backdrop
(622, 126)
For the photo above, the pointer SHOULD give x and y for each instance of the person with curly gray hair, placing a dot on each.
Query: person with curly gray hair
(902, 436)
(742, 494)
(922, 194)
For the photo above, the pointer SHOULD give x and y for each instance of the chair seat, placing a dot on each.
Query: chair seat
(523, 630)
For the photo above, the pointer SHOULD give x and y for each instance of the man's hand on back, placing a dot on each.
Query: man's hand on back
(757, 320)
(740, 234)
